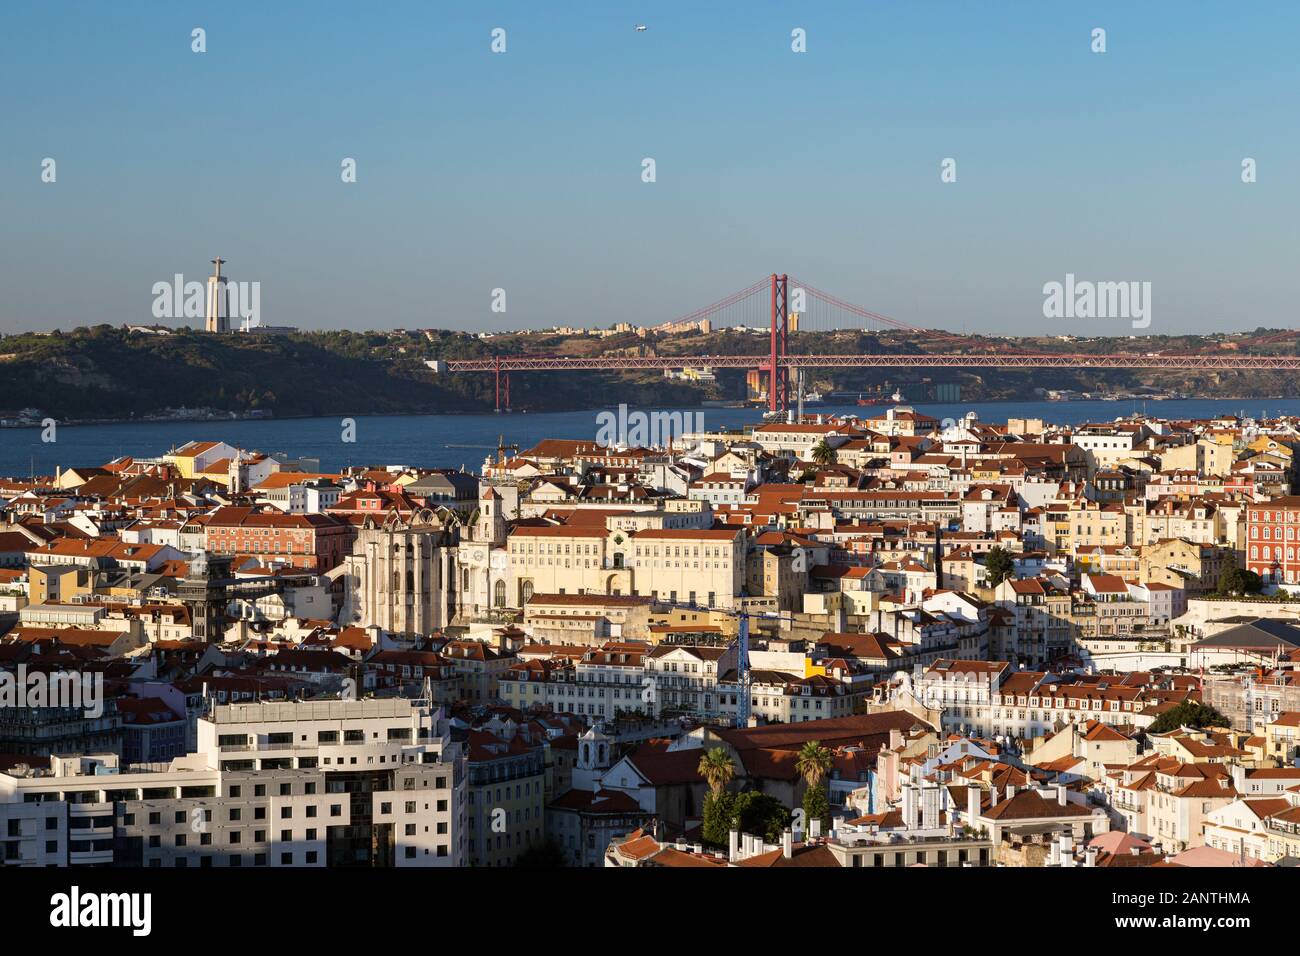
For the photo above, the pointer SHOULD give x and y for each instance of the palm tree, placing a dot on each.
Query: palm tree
(814, 762)
(717, 768)
(823, 453)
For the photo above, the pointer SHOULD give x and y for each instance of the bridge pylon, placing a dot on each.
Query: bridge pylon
(778, 376)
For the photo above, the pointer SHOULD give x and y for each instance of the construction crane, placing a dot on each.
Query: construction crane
(502, 448)
(744, 701)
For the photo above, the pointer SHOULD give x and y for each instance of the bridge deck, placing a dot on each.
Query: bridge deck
(970, 360)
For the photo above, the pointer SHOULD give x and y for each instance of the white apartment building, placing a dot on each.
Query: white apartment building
(684, 678)
(317, 783)
(1024, 704)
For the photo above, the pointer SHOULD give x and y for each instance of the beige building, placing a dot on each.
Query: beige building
(1186, 564)
(588, 619)
(690, 566)
(1093, 524)
(1205, 457)
(566, 560)
(1093, 744)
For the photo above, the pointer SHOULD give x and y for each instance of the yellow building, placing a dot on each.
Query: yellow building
(194, 457)
(1282, 738)
(58, 583)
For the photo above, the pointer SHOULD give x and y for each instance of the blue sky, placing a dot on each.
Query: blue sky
(522, 170)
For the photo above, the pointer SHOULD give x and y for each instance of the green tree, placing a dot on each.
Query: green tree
(1190, 713)
(1239, 581)
(717, 768)
(718, 815)
(814, 763)
(759, 814)
(823, 453)
(998, 566)
(546, 855)
(749, 812)
(816, 806)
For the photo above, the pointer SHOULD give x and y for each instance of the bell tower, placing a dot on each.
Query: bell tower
(491, 522)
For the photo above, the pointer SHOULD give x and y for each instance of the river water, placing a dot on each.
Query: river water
(455, 440)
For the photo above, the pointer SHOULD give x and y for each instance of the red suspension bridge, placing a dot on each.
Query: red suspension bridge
(780, 305)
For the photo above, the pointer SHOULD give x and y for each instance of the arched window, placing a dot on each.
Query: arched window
(525, 591)
(499, 594)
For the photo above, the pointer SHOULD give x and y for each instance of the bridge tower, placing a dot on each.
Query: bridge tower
(778, 377)
(502, 386)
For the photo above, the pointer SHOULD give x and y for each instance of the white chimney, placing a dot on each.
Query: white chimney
(815, 828)
(930, 806)
(733, 846)
(972, 804)
(1055, 858)
(1090, 856)
(909, 806)
(1060, 794)
(787, 844)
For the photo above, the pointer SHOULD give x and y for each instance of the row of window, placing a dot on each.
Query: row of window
(1267, 533)
(233, 814)
(1266, 552)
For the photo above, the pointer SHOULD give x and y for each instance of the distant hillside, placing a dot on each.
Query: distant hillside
(105, 372)
(111, 373)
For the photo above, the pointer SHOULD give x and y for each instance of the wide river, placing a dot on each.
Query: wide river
(455, 440)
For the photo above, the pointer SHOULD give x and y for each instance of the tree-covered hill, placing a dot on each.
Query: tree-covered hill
(106, 372)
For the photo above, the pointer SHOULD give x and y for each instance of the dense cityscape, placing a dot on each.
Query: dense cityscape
(465, 457)
(877, 640)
